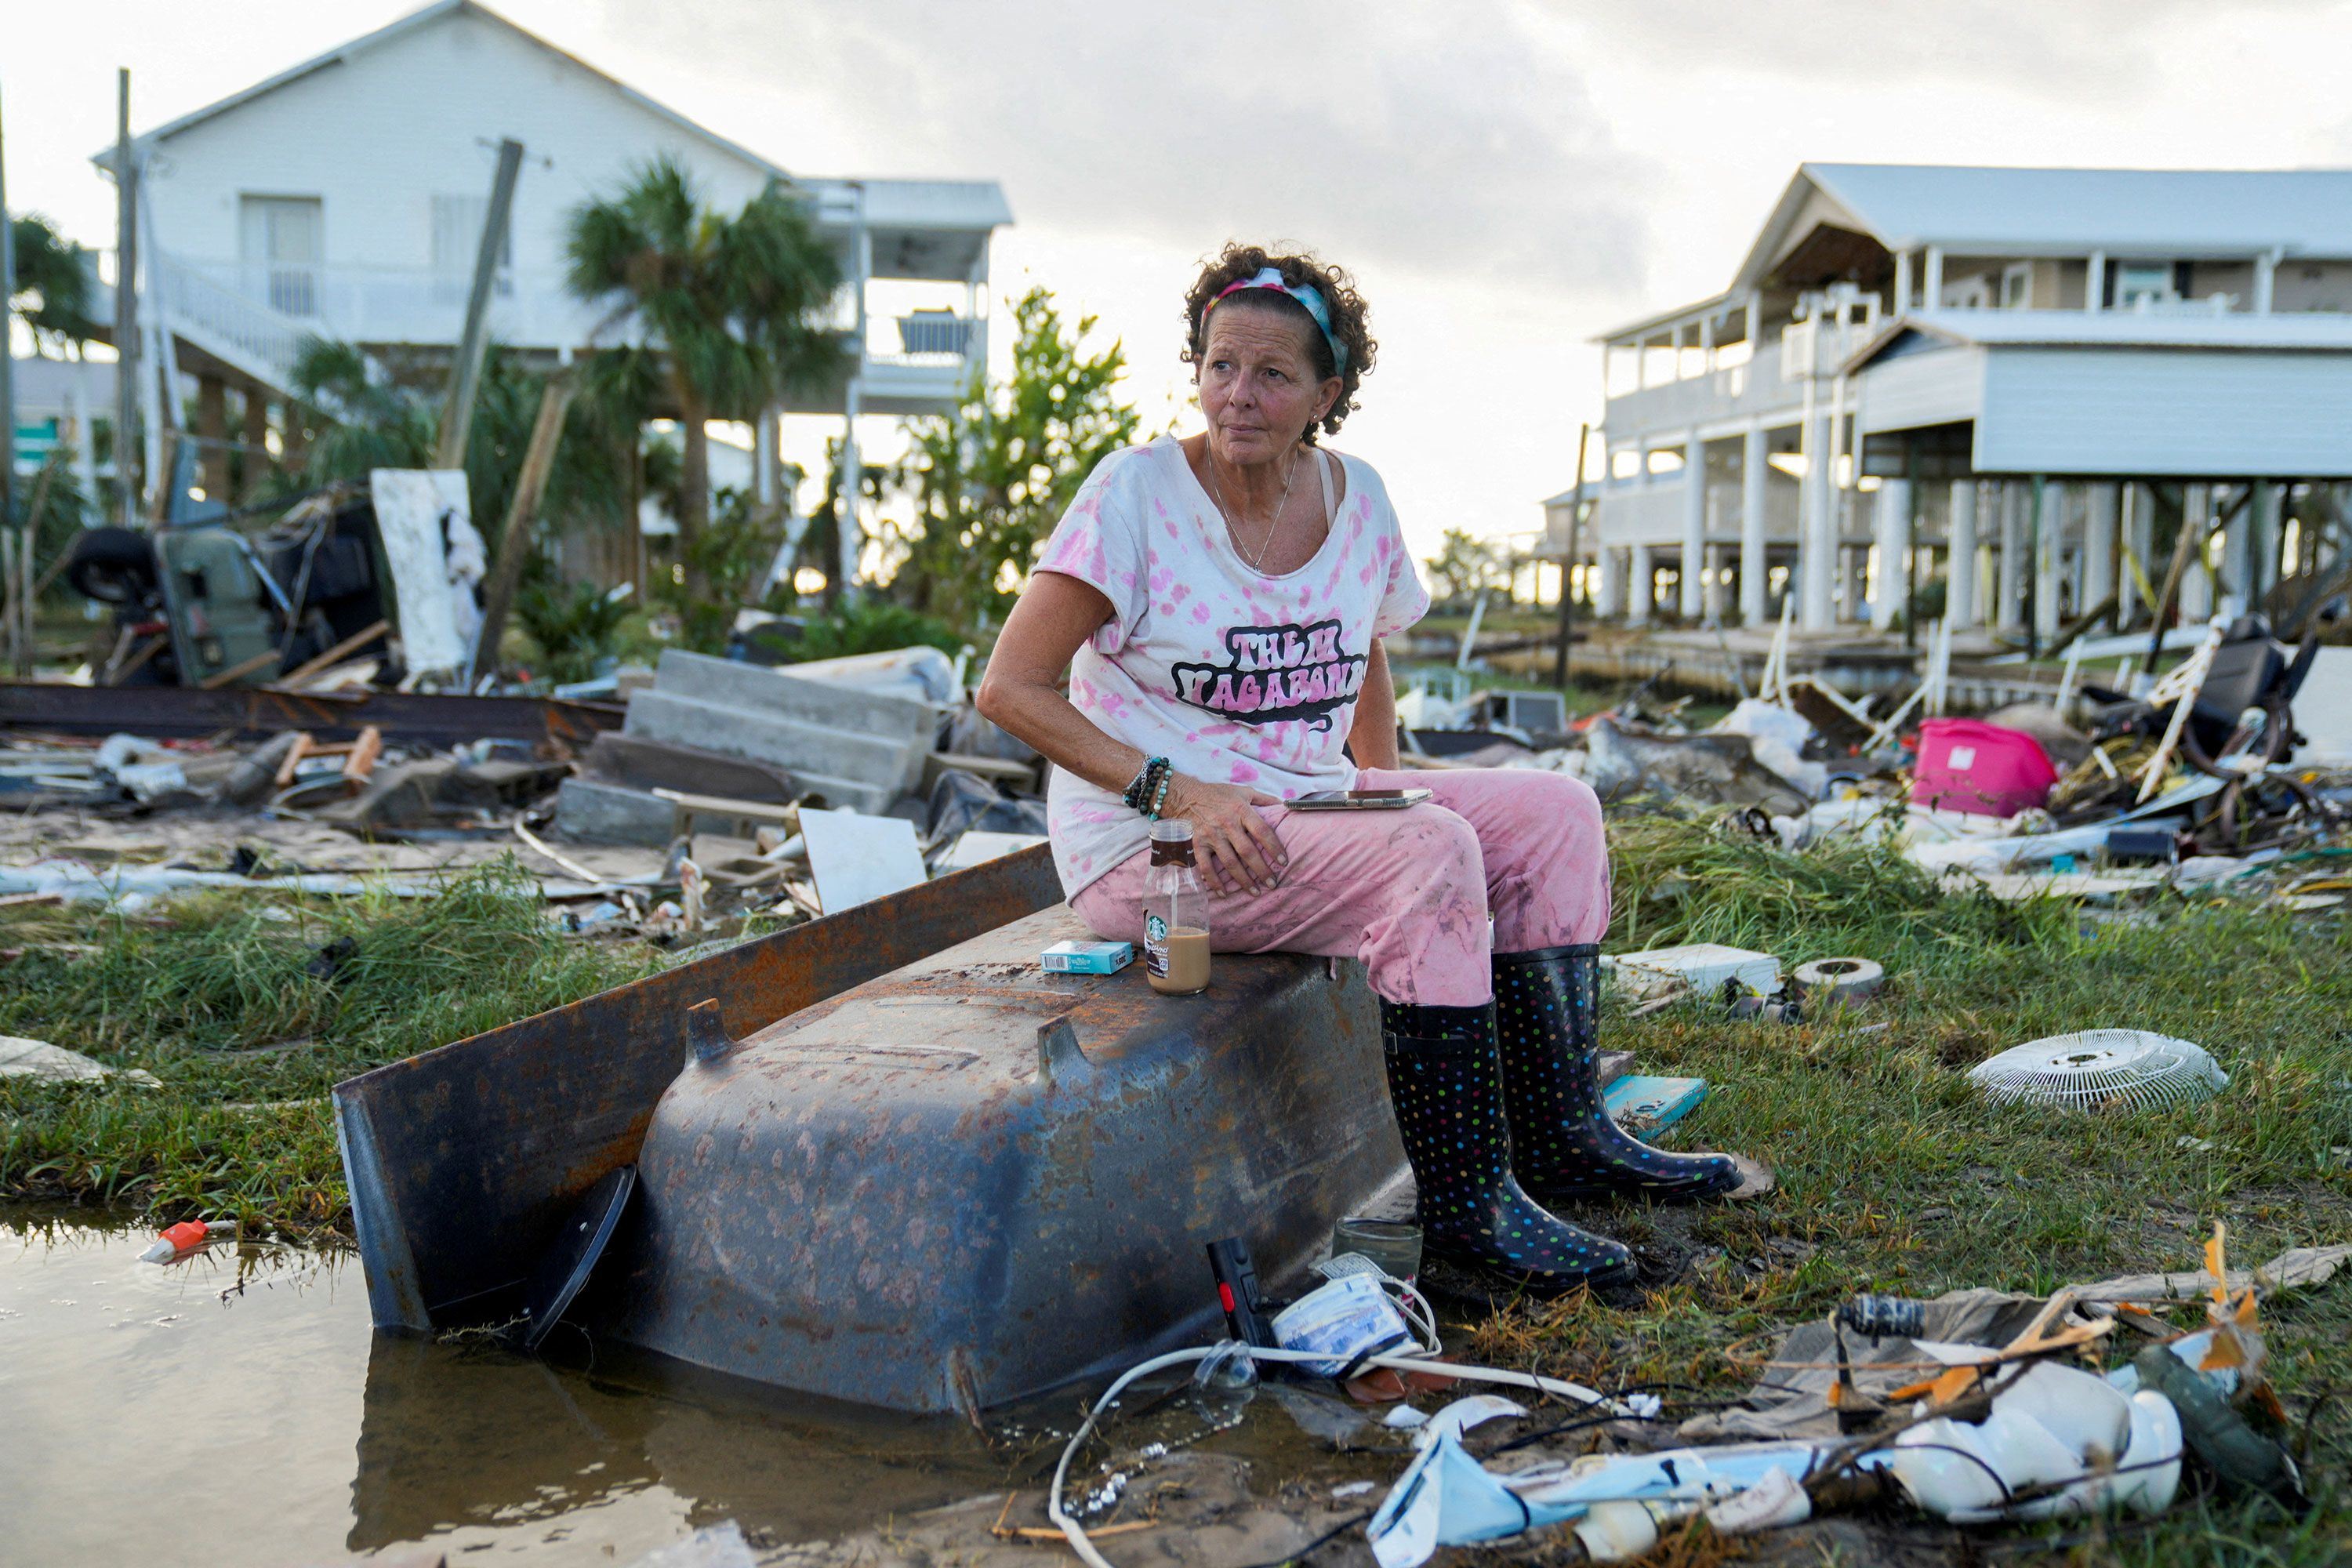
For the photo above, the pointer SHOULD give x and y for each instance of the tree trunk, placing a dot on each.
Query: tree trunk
(693, 495)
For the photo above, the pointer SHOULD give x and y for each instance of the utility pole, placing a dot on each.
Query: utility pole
(1568, 562)
(126, 311)
(466, 374)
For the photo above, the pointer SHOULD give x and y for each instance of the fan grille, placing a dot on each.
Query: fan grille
(2101, 1069)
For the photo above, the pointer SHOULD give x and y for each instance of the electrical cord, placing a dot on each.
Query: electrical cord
(1073, 1531)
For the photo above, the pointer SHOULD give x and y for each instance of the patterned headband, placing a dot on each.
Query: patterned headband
(1307, 294)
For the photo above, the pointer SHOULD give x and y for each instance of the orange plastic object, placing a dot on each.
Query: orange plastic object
(188, 1233)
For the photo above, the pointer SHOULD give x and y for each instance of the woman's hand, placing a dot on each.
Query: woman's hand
(1233, 846)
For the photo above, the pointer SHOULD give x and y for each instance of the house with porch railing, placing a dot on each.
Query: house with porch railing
(1991, 382)
(347, 197)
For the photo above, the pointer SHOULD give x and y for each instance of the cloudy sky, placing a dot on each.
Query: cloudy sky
(1506, 177)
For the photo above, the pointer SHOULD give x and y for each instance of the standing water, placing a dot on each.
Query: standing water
(235, 1408)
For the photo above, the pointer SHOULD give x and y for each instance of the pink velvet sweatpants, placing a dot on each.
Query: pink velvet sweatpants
(1410, 891)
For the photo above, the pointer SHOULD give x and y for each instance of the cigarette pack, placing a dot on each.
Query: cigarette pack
(1089, 957)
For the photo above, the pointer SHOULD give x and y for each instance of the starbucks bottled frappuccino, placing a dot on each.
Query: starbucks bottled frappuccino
(1175, 915)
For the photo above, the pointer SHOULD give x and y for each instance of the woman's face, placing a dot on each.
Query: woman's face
(1257, 385)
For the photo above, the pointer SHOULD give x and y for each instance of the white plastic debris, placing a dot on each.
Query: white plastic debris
(45, 1063)
(1777, 737)
(1463, 1413)
(1779, 1499)
(2053, 1428)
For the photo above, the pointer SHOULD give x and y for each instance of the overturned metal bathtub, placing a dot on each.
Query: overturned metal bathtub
(945, 1182)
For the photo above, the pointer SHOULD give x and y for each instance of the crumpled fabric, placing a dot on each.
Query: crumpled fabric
(1792, 1401)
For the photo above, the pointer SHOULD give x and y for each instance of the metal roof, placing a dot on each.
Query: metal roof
(2168, 213)
(416, 21)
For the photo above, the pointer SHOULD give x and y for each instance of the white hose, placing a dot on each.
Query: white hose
(1075, 1533)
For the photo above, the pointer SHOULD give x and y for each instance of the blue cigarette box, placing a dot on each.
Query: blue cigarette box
(1088, 957)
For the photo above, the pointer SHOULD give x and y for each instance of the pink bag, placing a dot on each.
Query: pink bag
(1965, 764)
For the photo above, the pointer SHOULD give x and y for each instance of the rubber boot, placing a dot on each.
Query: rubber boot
(1547, 1034)
(1447, 1090)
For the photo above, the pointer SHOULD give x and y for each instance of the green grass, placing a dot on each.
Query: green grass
(1896, 1177)
(213, 997)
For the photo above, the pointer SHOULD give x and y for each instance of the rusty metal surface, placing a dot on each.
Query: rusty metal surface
(462, 1162)
(425, 719)
(968, 1181)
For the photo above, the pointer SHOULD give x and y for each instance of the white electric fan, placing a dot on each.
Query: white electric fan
(2101, 1069)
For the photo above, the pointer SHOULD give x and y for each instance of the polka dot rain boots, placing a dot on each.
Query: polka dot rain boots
(1548, 1034)
(1446, 1085)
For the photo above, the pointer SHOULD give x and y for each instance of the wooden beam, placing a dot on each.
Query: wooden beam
(514, 538)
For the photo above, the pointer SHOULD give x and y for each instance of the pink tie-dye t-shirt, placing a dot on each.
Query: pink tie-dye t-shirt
(1234, 676)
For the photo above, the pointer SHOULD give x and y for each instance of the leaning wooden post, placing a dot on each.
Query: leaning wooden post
(466, 374)
(514, 538)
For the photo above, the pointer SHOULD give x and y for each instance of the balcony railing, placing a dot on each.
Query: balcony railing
(255, 317)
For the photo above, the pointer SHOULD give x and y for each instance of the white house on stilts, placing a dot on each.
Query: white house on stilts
(1991, 380)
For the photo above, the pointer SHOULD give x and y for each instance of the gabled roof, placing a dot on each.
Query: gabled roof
(2166, 213)
(416, 21)
(2290, 331)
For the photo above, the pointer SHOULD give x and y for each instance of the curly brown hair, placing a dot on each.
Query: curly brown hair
(1238, 261)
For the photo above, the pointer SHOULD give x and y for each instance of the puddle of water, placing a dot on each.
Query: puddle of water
(236, 1408)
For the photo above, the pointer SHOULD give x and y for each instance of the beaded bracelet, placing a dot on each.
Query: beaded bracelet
(1159, 798)
(1153, 778)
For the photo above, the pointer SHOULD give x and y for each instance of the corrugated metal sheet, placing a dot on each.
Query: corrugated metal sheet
(2186, 412)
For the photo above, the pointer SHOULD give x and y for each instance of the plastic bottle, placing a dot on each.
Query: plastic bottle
(1175, 915)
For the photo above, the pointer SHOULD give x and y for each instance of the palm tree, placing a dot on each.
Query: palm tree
(53, 285)
(720, 312)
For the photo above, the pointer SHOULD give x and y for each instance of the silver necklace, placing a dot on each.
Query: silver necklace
(1257, 563)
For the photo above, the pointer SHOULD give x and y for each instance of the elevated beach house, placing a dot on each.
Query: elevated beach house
(347, 197)
(1988, 381)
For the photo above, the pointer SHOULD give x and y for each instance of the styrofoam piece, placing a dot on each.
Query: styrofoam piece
(1704, 966)
(979, 845)
(855, 859)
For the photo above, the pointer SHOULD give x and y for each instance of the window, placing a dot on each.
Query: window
(282, 241)
(2144, 283)
(2017, 286)
(1665, 460)
(1624, 463)
(457, 239)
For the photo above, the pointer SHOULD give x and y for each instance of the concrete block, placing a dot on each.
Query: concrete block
(731, 684)
(803, 745)
(641, 763)
(590, 812)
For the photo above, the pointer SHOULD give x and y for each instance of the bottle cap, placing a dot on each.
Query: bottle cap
(1171, 844)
